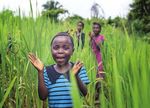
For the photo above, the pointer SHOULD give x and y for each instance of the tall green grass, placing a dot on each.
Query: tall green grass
(126, 63)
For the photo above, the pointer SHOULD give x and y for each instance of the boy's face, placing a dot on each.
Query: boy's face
(79, 26)
(96, 29)
(62, 50)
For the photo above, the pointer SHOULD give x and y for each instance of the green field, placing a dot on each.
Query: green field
(126, 63)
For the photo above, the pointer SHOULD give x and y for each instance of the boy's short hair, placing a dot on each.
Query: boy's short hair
(63, 34)
(96, 23)
(81, 23)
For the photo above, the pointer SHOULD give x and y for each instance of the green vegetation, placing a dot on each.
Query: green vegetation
(139, 15)
(126, 62)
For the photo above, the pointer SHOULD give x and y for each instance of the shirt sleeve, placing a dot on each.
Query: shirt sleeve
(83, 76)
(46, 79)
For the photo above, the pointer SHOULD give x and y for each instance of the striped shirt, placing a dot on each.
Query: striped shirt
(59, 87)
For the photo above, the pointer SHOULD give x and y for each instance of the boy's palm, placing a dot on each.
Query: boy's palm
(77, 67)
(36, 62)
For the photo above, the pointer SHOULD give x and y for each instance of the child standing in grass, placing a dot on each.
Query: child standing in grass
(96, 41)
(54, 80)
(80, 35)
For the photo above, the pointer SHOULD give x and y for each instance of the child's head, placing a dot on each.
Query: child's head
(96, 28)
(80, 25)
(62, 48)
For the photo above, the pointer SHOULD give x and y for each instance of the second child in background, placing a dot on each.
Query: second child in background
(80, 35)
(96, 41)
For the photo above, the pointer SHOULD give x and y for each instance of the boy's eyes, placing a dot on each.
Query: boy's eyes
(65, 47)
(95, 27)
(56, 47)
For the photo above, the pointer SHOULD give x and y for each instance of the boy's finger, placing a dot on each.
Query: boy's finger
(77, 62)
(31, 62)
(31, 58)
(30, 54)
(80, 64)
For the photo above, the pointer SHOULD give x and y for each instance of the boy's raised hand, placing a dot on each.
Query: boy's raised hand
(91, 34)
(77, 66)
(36, 62)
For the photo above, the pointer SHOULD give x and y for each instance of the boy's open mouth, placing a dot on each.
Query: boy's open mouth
(60, 58)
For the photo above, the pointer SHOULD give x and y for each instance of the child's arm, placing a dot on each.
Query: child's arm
(42, 90)
(91, 35)
(81, 85)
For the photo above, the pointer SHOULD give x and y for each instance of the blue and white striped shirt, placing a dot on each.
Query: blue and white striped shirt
(59, 87)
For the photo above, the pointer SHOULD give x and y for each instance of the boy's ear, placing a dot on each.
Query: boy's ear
(73, 50)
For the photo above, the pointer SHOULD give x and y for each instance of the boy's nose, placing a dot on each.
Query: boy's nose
(60, 50)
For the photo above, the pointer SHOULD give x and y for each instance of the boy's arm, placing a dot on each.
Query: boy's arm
(42, 90)
(81, 85)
